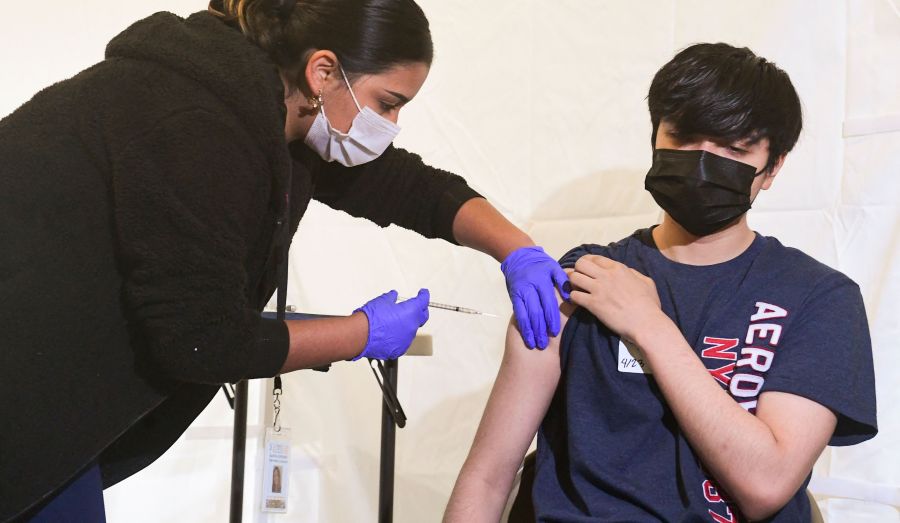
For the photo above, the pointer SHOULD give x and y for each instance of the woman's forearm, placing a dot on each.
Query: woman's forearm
(480, 226)
(319, 342)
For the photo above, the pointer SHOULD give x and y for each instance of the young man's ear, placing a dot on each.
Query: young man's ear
(770, 175)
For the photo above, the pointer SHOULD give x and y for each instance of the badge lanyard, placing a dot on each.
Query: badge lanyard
(285, 224)
(277, 443)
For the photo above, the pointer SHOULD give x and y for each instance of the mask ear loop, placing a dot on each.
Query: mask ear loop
(358, 107)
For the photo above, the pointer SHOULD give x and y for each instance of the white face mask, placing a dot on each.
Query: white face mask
(370, 134)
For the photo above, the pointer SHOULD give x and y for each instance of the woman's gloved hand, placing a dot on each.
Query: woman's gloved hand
(531, 276)
(392, 325)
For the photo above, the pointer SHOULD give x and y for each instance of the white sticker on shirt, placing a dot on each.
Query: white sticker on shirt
(631, 359)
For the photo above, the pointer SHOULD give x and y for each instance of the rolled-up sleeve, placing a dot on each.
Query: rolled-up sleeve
(186, 209)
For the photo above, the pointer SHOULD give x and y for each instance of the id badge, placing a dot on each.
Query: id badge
(631, 359)
(276, 476)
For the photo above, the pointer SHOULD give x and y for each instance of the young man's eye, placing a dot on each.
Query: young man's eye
(387, 107)
(736, 150)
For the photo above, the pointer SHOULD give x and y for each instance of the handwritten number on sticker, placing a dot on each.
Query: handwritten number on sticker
(631, 362)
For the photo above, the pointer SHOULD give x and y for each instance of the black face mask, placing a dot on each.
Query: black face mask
(701, 191)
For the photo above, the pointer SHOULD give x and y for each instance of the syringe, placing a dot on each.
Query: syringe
(455, 308)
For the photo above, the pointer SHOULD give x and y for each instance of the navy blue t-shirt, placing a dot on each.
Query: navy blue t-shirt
(772, 319)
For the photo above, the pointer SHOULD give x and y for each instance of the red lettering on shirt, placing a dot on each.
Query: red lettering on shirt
(711, 493)
(718, 518)
(721, 348)
(722, 374)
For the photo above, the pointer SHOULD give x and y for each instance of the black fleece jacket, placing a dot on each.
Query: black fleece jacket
(141, 203)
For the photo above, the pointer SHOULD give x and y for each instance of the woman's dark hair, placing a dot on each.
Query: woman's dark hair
(728, 93)
(368, 36)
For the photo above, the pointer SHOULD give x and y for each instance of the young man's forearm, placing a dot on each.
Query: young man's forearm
(744, 454)
(475, 500)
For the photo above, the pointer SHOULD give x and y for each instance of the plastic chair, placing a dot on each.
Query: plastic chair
(815, 515)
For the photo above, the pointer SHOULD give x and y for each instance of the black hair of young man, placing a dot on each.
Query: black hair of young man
(727, 93)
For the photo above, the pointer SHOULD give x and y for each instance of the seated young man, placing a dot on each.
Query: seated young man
(702, 367)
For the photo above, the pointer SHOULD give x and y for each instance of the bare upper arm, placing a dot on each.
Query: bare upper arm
(801, 428)
(521, 394)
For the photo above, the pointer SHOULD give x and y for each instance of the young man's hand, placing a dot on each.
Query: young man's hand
(619, 296)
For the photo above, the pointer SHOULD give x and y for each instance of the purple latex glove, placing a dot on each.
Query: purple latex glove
(531, 276)
(392, 325)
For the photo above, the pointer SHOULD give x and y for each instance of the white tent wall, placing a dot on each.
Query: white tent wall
(540, 105)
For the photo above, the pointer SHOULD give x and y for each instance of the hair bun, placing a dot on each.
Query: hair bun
(284, 8)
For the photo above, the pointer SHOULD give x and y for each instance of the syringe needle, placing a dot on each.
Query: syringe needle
(455, 308)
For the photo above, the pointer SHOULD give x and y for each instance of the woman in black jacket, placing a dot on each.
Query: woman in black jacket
(143, 202)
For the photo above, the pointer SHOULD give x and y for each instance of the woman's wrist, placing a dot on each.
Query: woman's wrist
(318, 342)
(516, 242)
(358, 324)
(480, 226)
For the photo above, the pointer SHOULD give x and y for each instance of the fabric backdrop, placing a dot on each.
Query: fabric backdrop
(540, 105)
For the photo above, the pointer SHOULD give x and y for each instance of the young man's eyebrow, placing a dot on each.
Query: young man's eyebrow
(740, 143)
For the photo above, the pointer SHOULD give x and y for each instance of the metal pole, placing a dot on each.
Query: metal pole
(238, 453)
(388, 440)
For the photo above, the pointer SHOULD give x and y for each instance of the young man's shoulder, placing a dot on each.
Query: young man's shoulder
(790, 263)
(801, 267)
(617, 250)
